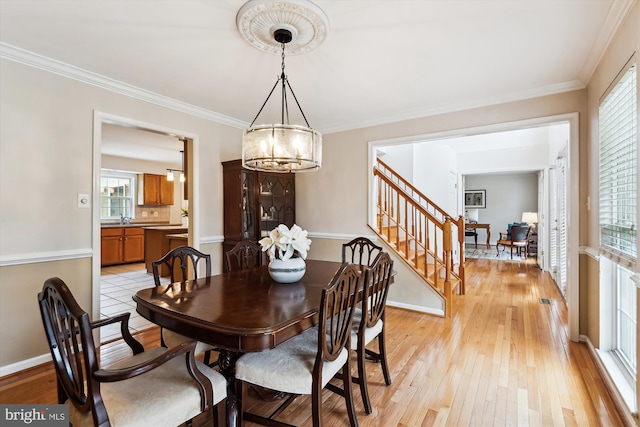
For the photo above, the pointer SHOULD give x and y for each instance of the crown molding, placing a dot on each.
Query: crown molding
(461, 106)
(616, 16)
(44, 63)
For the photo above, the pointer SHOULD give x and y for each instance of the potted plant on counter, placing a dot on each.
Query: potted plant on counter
(185, 215)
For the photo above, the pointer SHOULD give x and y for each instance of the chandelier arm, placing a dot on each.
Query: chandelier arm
(298, 104)
(284, 107)
(265, 102)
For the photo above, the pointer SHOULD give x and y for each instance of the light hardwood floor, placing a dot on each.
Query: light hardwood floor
(502, 359)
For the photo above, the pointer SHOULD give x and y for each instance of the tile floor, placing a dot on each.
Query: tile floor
(118, 283)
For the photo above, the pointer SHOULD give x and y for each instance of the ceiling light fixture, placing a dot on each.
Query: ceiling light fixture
(170, 175)
(282, 147)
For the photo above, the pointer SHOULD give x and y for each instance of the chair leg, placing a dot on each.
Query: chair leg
(242, 389)
(362, 378)
(348, 393)
(316, 404)
(383, 357)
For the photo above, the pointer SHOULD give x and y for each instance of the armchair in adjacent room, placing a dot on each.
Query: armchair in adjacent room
(517, 236)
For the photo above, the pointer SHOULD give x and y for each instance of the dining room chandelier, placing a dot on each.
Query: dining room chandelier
(282, 147)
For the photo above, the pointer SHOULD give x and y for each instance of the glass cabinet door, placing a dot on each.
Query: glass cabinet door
(248, 205)
(277, 202)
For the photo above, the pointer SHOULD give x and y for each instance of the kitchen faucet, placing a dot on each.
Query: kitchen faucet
(125, 219)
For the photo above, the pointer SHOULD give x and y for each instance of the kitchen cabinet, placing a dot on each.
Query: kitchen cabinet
(119, 245)
(255, 203)
(154, 190)
(157, 244)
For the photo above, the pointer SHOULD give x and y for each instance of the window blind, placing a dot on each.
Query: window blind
(618, 168)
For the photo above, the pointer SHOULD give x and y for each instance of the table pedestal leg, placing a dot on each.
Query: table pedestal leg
(227, 362)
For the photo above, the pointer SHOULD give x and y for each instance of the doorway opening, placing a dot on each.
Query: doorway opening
(476, 162)
(136, 137)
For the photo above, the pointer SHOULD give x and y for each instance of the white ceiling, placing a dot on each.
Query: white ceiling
(382, 61)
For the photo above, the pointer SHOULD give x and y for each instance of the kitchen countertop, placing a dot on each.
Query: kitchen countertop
(165, 227)
(133, 224)
(178, 236)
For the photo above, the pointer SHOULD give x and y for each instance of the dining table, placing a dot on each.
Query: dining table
(238, 312)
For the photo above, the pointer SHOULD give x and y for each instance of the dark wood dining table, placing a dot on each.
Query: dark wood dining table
(238, 312)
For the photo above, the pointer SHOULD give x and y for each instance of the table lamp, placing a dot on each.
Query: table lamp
(530, 218)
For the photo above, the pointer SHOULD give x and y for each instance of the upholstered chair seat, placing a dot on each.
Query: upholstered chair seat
(369, 332)
(168, 386)
(172, 339)
(294, 359)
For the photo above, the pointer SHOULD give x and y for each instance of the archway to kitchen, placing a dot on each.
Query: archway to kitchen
(105, 126)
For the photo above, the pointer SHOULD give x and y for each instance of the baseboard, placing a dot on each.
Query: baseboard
(418, 308)
(629, 416)
(24, 364)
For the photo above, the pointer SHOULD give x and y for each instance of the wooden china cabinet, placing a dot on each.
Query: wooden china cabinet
(255, 203)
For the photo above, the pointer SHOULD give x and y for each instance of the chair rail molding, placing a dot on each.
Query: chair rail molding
(49, 256)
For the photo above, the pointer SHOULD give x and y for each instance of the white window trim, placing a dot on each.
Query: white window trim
(134, 183)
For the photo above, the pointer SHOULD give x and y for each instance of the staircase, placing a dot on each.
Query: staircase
(420, 233)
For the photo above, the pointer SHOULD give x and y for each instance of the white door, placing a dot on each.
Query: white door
(558, 235)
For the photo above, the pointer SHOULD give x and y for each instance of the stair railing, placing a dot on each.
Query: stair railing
(420, 232)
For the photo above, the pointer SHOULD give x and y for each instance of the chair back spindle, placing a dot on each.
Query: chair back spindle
(182, 260)
(360, 251)
(245, 255)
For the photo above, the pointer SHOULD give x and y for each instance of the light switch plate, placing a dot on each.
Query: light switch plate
(83, 201)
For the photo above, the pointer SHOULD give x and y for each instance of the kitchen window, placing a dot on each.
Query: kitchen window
(117, 195)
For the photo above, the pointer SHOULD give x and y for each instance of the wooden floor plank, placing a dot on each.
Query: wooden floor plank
(502, 359)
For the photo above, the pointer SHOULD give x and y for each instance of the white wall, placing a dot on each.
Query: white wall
(399, 158)
(433, 167)
(46, 159)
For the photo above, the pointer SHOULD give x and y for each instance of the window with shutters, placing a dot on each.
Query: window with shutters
(618, 213)
(618, 165)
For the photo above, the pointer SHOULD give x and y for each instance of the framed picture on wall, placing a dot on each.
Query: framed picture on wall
(476, 199)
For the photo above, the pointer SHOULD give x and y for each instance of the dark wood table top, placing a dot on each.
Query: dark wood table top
(239, 311)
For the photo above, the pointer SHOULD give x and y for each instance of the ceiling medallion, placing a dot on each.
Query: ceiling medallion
(257, 21)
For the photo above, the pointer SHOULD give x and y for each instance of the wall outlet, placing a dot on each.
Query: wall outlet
(155, 214)
(144, 214)
(83, 201)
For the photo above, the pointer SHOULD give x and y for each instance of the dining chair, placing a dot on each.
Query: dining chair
(244, 255)
(360, 251)
(155, 387)
(307, 362)
(183, 259)
(368, 324)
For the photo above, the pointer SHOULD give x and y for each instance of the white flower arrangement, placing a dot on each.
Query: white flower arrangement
(283, 243)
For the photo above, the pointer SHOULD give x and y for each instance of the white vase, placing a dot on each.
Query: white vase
(287, 271)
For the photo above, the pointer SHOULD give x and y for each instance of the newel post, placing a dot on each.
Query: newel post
(447, 263)
(461, 289)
